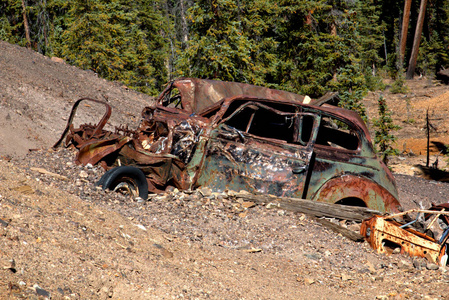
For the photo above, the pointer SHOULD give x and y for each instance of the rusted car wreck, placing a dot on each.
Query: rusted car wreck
(236, 136)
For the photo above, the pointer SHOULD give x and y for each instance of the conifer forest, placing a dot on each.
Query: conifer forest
(308, 46)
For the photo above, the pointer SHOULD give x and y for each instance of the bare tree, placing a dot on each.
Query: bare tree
(405, 22)
(185, 30)
(25, 24)
(416, 40)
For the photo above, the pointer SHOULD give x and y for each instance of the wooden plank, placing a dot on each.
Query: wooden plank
(314, 208)
(352, 235)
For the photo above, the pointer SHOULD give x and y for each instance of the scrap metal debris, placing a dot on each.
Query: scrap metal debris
(386, 235)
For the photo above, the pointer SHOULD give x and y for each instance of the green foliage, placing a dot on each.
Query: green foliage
(399, 86)
(432, 55)
(353, 100)
(227, 41)
(328, 45)
(43, 16)
(308, 47)
(11, 22)
(434, 49)
(107, 37)
(374, 82)
(384, 139)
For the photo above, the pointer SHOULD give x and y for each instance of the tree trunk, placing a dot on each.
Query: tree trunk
(185, 30)
(25, 24)
(334, 33)
(171, 38)
(405, 22)
(416, 40)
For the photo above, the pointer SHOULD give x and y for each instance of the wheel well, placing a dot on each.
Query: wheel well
(352, 201)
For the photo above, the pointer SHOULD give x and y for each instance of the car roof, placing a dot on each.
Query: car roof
(199, 94)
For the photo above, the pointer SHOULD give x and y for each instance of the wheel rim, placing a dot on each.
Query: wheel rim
(128, 188)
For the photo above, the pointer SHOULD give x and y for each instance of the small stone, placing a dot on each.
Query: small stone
(397, 250)
(345, 277)
(167, 254)
(57, 60)
(417, 264)
(205, 191)
(248, 204)
(9, 264)
(3, 223)
(309, 281)
(272, 205)
(378, 278)
(404, 265)
(314, 256)
(243, 214)
(83, 174)
(41, 292)
(432, 266)
(371, 267)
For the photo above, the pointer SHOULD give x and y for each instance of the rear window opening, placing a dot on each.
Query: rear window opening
(337, 134)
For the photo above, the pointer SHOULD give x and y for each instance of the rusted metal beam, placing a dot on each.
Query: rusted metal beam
(417, 210)
(97, 129)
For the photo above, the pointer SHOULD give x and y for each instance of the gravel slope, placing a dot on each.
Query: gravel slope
(62, 238)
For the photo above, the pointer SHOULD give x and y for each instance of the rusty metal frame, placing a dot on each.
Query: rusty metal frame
(98, 128)
(379, 232)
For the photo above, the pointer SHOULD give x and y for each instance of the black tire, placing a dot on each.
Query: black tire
(125, 179)
(105, 175)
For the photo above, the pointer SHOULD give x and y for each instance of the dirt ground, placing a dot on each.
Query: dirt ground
(63, 238)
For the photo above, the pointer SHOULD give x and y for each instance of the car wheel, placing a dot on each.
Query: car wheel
(126, 180)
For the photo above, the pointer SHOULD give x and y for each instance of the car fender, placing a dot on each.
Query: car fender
(354, 186)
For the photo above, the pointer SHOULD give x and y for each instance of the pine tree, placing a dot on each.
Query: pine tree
(434, 48)
(108, 38)
(327, 45)
(384, 139)
(226, 41)
(11, 22)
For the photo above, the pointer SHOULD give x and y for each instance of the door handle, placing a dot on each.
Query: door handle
(299, 170)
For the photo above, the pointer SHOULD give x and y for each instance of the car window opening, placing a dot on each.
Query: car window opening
(337, 134)
(172, 98)
(264, 122)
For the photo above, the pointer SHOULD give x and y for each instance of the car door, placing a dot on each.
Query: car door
(260, 149)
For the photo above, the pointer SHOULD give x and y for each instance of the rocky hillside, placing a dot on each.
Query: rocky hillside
(63, 238)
